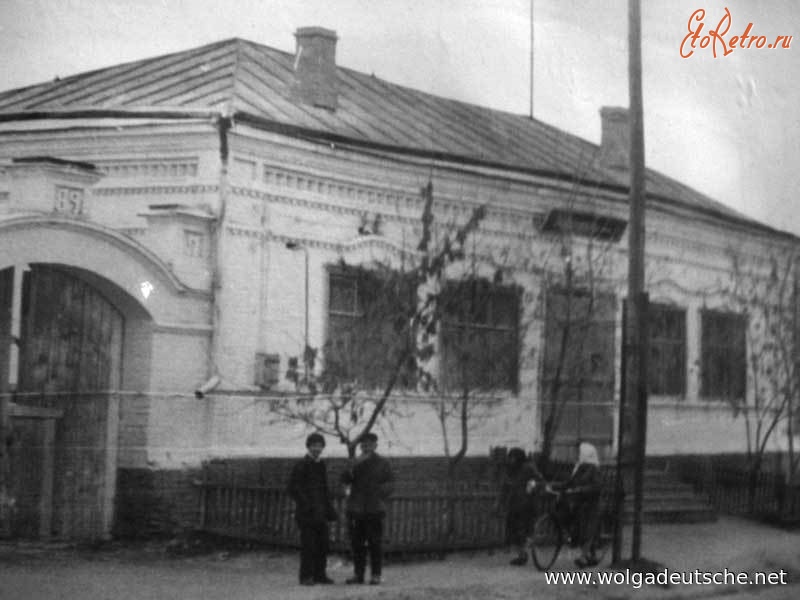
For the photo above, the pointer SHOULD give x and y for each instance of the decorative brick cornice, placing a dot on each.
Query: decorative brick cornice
(366, 194)
(662, 245)
(516, 221)
(363, 196)
(681, 243)
(694, 246)
(243, 231)
(160, 167)
(361, 243)
(154, 190)
(330, 207)
(368, 241)
(340, 196)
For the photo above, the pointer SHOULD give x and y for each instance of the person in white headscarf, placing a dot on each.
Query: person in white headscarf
(583, 492)
(587, 455)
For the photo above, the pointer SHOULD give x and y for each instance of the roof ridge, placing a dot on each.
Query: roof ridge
(235, 73)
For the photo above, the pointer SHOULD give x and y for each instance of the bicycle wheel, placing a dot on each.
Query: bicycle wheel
(546, 539)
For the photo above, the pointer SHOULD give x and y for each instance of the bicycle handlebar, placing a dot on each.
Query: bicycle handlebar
(548, 489)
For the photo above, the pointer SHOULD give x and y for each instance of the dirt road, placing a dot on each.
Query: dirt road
(153, 571)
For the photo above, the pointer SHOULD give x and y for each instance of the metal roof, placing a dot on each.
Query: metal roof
(252, 82)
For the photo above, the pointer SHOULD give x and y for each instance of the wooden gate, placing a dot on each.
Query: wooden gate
(31, 452)
(63, 459)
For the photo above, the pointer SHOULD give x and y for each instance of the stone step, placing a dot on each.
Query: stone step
(666, 499)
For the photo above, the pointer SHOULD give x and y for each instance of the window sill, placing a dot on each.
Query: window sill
(682, 402)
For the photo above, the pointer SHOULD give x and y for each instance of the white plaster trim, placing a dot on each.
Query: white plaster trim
(92, 229)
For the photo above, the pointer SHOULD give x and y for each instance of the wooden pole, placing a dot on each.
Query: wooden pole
(636, 329)
(794, 371)
(531, 62)
(4, 459)
(622, 464)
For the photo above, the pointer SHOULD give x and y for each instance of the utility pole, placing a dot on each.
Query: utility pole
(531, 61)
(636, 327)
(4, 459)
(794, 370)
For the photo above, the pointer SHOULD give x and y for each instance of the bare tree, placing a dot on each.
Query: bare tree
(386, 340)
(478, 350)
(579, 305)
(766, 295)
(477, 341)
(575, 272)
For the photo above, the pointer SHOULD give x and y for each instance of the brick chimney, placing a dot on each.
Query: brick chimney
(615, 139)
(315, 81)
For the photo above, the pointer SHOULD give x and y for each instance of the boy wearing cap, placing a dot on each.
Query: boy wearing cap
(370, 480)
(308, 487)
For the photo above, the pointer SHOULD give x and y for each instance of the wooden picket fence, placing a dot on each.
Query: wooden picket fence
(240, 500)
(726, 481)
(730, 493)
(416, 521)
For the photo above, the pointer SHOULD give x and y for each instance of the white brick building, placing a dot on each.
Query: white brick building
(188, 211)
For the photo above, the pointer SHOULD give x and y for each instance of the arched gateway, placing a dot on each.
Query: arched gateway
(79, 304)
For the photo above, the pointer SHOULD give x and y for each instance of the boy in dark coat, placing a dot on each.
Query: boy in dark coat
(518, 502)
(308, 487)
(370, 481)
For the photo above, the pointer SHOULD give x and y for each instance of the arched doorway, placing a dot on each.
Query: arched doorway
(61, 428)
(76, 330)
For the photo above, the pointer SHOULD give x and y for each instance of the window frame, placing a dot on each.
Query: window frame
(736, 358)
(489, 325)
(373, 376)
(672, 343)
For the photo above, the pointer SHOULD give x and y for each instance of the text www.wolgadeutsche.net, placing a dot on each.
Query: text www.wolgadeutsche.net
(666, 577)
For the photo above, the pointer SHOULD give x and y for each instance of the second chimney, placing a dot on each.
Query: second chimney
(315, 81)
(615, 140)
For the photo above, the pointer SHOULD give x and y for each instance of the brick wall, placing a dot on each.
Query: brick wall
(154, 503)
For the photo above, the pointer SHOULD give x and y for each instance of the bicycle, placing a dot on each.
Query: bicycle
(553, 528)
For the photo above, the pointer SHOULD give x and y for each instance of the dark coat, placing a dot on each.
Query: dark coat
(583, 490)
(308, 487)
(372, 482)
(585, 482)
(519, 505)
(514, 496)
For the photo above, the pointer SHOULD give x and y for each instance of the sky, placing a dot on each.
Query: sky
(728, 126)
